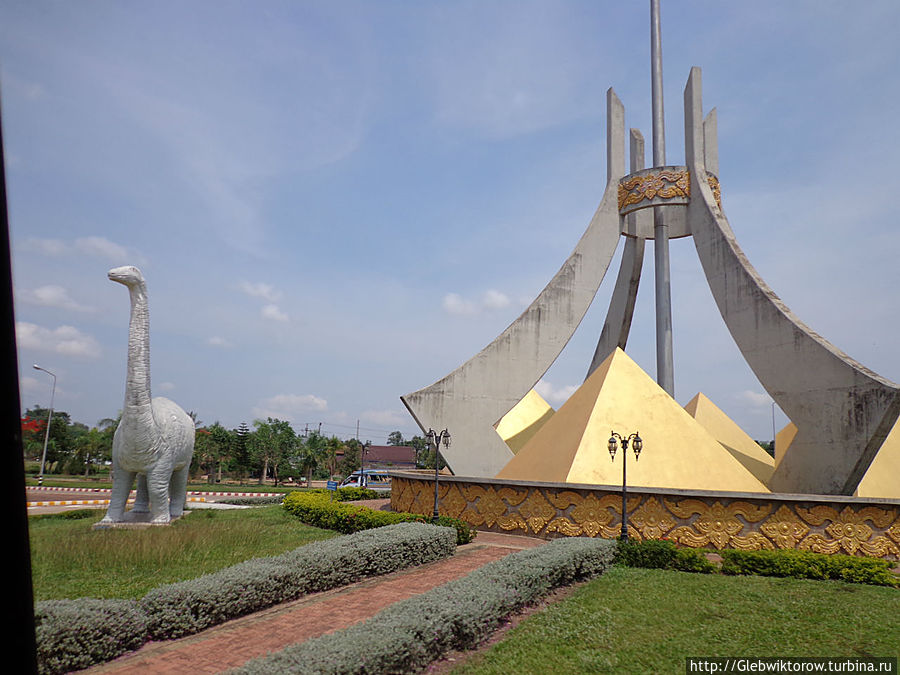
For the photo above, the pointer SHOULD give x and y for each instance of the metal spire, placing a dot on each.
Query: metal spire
(665, 367)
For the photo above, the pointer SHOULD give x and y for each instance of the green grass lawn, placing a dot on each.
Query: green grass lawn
(70, 560)
(648, 621)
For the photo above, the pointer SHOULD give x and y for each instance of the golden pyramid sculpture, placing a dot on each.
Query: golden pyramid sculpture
(783, 440)
(520, 424)
(882, 478)
(734, 439)
(571, 446)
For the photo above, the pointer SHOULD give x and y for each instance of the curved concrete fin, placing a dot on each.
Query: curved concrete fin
(621, 306)
(843, 410)
(470, 400)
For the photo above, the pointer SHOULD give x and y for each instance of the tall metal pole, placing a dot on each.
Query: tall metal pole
(665, 367)
(49, 419)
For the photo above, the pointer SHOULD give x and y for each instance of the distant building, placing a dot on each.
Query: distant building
(391, 457)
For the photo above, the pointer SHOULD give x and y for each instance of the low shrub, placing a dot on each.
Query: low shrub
(187, 607)
(253, 501)
(809, 565)
(662, 554)
(317, 509)
(350, 494)
(74, 634)
(410, 634)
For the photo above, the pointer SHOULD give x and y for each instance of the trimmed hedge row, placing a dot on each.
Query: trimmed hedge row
(661, 554)
(74, 634)
(317, 509)
(460, 614)
(809, 565)
(347, 494)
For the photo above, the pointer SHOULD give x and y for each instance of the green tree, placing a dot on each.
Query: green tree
(59, 443)
(90, 447)
(272, 443)
(333, 446)
(350, 462)
(241, 460)
(314, 454)
(395, 438)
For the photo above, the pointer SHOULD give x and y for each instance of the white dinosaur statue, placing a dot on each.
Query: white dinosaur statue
(155, 438)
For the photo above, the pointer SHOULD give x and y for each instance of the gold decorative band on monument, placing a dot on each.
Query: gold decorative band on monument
(652, 187)
(661, 186)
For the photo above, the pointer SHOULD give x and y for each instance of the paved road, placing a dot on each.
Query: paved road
(55, 500)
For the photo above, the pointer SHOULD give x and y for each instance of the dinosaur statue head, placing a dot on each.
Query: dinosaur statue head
(128, 275)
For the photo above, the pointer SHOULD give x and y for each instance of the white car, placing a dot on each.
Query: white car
(371, 478)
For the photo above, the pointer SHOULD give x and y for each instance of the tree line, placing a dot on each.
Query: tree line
(270, 450)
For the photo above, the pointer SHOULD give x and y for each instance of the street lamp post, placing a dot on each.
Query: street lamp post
(637, 444)
(363, 451)
(434, 438)
(49, 418)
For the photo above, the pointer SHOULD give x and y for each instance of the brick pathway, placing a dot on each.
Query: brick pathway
(234, 643)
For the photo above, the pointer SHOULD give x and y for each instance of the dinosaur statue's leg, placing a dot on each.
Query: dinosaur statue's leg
(122, 482)
(178, 491)
(142, 499)
(158, 489)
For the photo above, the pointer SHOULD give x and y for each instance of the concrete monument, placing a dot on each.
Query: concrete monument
(155, 438)
(842, 410)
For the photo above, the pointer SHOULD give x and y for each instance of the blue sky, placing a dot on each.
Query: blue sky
(337, 203)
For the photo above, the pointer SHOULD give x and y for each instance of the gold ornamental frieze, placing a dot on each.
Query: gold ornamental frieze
(652, 187)
(703, 520)
(660, 186)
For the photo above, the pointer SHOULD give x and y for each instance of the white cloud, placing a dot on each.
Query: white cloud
(754, 400)
(289, 406)
(102, 247)
(46, 246)
(491, 300)
(454, 304)
(30, 385)
(260, 290)
(166, 386)
(495, 300)
(274, 313)
(65, 340)
(52, 296)
(98, 247)
(218, 341)
(554, 394)
(385, 418)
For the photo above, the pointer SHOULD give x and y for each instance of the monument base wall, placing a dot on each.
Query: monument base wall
(698, 519)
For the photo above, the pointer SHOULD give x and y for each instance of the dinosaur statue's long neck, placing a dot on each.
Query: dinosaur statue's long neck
(137, 384)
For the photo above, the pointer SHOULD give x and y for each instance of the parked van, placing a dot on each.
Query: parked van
(374, 479)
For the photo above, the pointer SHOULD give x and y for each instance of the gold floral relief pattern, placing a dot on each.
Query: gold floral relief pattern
(652, 520)
(564, 499)
(454, 503)
(819, 544)
(880, 547)
(695, 521)
(537, 511)
(894, 531)
(592, 515)
(715, 187)
(402, 495)
(754, 541)
(648, 186)
(784, 528)
(817, 515)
